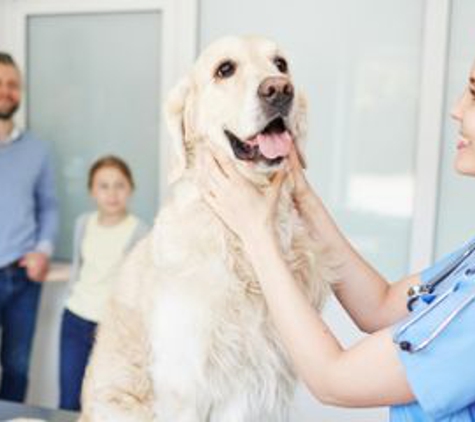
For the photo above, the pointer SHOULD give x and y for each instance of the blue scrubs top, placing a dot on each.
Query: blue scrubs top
(442, 375)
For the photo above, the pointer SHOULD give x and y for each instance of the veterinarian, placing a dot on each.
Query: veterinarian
(418, 356)
(28, 225)
(101, 239)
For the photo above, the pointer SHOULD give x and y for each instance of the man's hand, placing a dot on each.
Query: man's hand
(36, 264)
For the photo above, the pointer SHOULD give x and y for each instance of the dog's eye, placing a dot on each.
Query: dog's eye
(225, 70)
(281, 64)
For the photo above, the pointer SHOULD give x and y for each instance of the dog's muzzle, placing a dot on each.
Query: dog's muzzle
(270, 146)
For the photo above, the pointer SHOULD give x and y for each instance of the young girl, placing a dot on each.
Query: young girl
(417, 359)
(100, 241)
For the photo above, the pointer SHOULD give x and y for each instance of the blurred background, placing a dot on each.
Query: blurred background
(380, 75)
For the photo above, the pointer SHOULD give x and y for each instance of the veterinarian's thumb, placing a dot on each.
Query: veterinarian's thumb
(301, 187)
(276, 186)
(224, 162)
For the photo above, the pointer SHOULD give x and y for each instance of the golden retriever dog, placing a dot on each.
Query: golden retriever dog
(187, 336)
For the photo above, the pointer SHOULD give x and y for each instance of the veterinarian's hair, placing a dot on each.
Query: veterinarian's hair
(114, 162)
(7, 60)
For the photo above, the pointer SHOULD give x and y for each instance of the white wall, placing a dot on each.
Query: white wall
(5, 26)
(3, 23)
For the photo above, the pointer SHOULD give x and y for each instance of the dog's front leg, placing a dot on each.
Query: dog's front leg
(172, 407)
(117, 387)
(180, 397)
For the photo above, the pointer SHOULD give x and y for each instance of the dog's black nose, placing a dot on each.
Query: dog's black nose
(276, 93)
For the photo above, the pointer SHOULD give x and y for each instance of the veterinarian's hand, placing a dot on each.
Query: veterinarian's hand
(305, 199)
(244, 208)
(302, 193)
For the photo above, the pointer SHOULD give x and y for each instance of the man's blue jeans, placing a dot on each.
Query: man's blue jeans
(77, 339)
(19, 299)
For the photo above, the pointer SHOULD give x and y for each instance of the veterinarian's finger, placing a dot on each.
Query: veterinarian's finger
(226, 164)
(296, 171)
(208, 196)
(225, 177)
(202, 174)
(302, 161)
(207, 184)
(294, 161)
(276, 185)
(214, 173)
(209, 157)
(215, 206)
(296, 158)
(210, 200)
(278, 179)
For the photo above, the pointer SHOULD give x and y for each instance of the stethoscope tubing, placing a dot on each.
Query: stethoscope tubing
(444, 324)
(428, 288)
(430, 285)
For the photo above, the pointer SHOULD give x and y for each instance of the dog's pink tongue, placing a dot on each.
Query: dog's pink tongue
(274, 145)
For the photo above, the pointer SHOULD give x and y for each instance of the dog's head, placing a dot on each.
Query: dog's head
(239, 96)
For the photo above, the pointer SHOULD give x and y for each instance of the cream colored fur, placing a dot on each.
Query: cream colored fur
(187, 336)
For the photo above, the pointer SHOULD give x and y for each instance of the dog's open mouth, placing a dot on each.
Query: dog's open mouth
(271, 145)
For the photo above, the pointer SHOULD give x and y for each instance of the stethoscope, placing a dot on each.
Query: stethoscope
(425, 292)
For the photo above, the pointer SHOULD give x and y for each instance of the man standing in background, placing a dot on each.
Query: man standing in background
(28, 225)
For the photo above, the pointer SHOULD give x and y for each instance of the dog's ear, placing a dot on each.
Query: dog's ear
(175, 105)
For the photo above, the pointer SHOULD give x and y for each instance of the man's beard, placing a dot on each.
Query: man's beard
(7, 114)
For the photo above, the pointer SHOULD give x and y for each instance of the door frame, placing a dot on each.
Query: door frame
(178, 44)
(428, 148)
